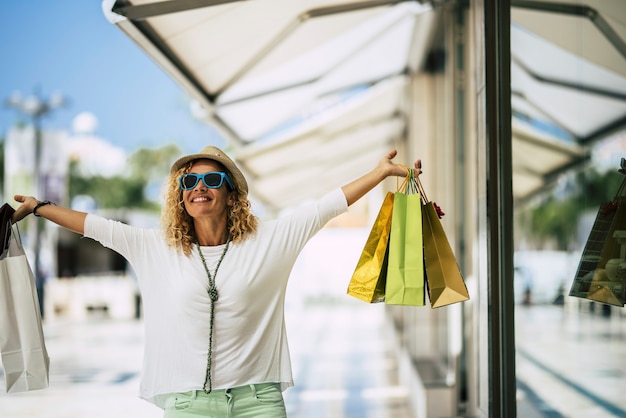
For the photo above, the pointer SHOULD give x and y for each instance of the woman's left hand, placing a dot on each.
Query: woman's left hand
(392, 169)
(385, 168)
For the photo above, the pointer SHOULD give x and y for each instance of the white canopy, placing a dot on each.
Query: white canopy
(309, 92)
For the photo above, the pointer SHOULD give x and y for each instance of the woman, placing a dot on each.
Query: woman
(213, 283)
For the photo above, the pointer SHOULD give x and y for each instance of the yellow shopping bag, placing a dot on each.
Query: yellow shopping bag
(369, 278)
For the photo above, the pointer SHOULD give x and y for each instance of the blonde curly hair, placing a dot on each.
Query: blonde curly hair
(178, 224)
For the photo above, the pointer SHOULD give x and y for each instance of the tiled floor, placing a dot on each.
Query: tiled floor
(344, 364)
(570, 362)
(343, 367)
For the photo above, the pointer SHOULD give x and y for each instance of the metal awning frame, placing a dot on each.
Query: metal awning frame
(577, 10)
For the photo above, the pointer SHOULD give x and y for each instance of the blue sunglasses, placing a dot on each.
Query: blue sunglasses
(212, 180)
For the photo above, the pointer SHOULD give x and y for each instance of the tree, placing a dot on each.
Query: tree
(129, 190)
(149, 164)
(555, 219)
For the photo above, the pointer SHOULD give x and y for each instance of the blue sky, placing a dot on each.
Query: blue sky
(68, 46)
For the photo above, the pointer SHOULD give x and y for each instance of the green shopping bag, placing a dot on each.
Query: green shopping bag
(405, 269)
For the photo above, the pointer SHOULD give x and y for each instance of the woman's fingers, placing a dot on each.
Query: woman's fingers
(418, 166)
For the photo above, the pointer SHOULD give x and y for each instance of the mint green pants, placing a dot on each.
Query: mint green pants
(263, 400)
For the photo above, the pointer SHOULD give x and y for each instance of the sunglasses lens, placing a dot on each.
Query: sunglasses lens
(189, 181)
(212, 179)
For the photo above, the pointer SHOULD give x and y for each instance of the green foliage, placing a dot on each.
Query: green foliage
(127, 191)
(150, 164)
(109, 192)
(597, 188)
(555, 220)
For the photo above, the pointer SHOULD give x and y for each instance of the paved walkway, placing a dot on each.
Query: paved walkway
(569, 364)
(344, 363)
(343, 367)
(572, 363)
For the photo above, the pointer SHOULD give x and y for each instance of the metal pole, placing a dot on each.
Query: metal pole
(497, 25)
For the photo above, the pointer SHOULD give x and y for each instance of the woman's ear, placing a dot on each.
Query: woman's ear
(231, 198)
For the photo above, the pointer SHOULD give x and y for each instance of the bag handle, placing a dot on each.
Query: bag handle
(6, 212)
(17, 237)
(421, 190)
(402, 187)
(409, 185)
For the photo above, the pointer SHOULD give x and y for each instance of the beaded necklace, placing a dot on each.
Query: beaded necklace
(213, 294)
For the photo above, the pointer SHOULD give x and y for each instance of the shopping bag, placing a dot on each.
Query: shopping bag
(405, 269)
(22, 347)
(601, 273)
(369, 278)
(444, 281)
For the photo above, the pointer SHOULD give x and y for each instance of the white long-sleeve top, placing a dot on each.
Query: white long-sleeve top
(249, 341)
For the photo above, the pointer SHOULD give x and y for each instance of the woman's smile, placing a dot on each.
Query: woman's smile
(202, 198)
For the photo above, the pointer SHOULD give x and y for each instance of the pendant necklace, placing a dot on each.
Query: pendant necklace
(214, 296)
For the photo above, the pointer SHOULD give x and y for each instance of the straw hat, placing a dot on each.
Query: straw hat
(215, 154)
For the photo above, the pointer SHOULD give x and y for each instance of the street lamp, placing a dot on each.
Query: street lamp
(36, 108)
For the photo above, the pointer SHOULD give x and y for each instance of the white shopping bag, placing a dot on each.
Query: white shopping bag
(22, 346)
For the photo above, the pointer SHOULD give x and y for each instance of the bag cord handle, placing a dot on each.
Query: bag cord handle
(402, 187)
(409, 185)
(421, 190)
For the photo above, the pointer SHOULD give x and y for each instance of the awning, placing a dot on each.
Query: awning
(309, 92)
(568, 84)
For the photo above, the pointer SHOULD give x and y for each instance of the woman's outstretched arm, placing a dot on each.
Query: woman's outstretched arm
(67, 218)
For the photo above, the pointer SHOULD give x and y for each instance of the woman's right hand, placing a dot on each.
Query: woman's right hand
(28, 203)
